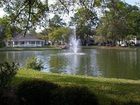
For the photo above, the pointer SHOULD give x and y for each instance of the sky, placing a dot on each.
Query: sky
(132, 2)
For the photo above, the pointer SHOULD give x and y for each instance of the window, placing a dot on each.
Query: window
(32, 42)
(38, 42)
(16, 42)
(22, 42)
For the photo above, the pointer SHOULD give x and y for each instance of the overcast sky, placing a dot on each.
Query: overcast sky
(133, 2)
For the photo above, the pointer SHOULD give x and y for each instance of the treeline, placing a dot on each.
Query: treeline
(95, 21)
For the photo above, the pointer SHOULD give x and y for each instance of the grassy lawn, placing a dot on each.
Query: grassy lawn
(109, 91)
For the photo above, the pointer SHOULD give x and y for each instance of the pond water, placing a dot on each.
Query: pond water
(94, 62)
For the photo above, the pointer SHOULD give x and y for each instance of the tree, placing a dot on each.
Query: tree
(56, 31)
(3, 26)
(85, 21)
(59, 35)
(133, 21)
(56, 21)
(118, 22)
(7, 30)
(26, 14)
(44, 34)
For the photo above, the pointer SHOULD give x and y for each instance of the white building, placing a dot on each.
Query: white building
(133, 41)
(25, 41)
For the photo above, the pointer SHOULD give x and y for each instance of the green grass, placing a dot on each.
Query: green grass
(110, 91)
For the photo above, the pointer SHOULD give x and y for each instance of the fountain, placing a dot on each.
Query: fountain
(74, 43)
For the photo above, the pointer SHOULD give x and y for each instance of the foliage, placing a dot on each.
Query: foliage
(7, 72)
(7, 30)
(56, 21)
(59, 34)
(36, 92)
(65, 6)
(56, 30)
(2, 44)
(34, 63)
(133, 20)
(26, 13)
(43, 34)
(112, 24)
(119, 21)
(85, 20)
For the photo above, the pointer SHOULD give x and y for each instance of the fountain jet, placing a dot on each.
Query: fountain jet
(74, 43)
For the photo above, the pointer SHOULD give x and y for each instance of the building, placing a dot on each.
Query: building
(25, 41)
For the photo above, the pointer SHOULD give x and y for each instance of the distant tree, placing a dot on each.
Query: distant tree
(56, 21)
(119, 21)
(85, 21)
(133, 21)
(59, 35)
(44, 34)
(56, 31)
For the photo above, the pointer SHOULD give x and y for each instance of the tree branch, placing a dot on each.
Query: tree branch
(62, 2)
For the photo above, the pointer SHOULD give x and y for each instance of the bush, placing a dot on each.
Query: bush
(34, 63)
(74, 96)
(35, 92)
(1, 44)
(7, 72)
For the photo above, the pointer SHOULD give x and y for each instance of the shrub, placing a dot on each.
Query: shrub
(74, 96)
(34, 63)
(35, 92)
(1, 44)
(7, 72)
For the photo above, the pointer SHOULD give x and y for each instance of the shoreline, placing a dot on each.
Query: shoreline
(28, 49)
(58, 48)
(110, 48)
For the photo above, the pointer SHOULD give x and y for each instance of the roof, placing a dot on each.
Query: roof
(26, 38)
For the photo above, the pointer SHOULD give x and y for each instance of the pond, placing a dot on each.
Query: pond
(94, 62)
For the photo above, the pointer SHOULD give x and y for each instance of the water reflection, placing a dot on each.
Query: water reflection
(57, 64)
(95, 62)
(73, 64)
(119, 64)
